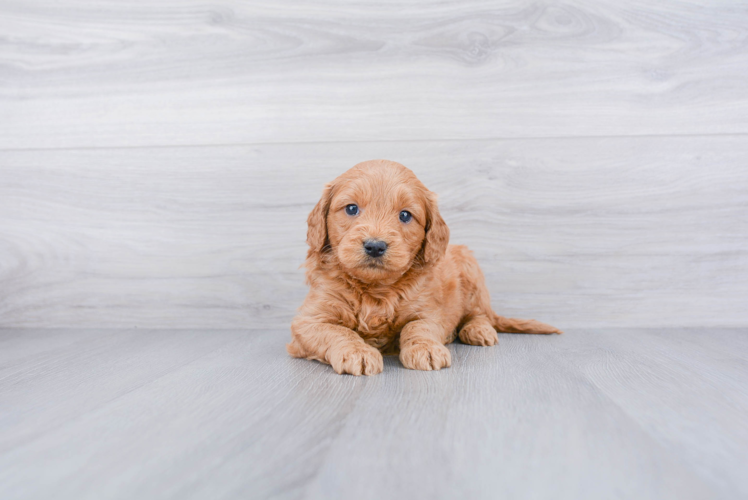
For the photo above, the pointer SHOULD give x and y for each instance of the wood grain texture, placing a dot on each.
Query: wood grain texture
(593, 413)
(594, 231)
(175, 72)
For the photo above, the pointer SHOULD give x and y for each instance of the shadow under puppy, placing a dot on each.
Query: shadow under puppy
(384, 279)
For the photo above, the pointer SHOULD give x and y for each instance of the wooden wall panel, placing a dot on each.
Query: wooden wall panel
(586, 231)
(176, 72)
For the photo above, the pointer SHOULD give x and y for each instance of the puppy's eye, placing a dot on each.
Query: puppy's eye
(351, 209)
(405, 216)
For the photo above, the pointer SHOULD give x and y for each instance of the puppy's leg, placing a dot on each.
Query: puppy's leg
(422, 346)
(336, 345)
(478, 331)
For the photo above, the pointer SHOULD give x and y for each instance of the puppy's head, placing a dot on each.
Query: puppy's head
(377, 220)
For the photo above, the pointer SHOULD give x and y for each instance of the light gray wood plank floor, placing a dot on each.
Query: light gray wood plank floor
(593, 413)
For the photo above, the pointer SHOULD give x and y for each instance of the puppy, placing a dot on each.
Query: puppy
(383, 278)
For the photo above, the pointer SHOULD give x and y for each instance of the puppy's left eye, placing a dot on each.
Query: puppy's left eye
(405, 216)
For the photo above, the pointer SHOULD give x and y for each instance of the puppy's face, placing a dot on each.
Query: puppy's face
(376, 224)
(379, 218)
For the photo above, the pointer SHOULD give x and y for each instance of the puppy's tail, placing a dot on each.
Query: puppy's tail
(513, 325)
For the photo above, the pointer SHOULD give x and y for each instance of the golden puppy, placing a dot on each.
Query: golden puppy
(383, 278)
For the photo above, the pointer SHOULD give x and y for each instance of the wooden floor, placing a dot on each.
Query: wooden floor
(593, 413)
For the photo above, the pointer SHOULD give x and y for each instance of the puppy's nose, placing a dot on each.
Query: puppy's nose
(375, 248)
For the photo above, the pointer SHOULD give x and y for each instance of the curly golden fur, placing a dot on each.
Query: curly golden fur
(419, 295)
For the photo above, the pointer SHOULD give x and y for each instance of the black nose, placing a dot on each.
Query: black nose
(375, 248)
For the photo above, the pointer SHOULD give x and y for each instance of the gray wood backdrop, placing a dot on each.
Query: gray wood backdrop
(158, 158)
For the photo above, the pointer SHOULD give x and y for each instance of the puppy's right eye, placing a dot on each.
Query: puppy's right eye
(351, 209)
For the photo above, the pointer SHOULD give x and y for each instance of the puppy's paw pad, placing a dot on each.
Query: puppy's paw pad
(357, 359)
(482, 334)
(426, 356)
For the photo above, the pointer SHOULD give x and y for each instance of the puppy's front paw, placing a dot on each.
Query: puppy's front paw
(356, 359)
(425, 355)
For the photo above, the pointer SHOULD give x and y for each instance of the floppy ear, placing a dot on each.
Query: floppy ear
(437, 232)
(316, 234)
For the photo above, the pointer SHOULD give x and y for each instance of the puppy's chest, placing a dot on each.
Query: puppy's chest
(379, 321)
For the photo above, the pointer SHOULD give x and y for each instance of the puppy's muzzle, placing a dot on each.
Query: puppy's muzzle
(375, 248)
